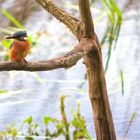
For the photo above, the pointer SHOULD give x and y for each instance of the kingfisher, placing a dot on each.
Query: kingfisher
(20, 47)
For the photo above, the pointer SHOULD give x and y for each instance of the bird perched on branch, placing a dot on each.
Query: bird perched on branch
(20, 47)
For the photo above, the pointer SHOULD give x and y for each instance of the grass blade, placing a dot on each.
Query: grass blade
(122, 81)
(111, 37)
(130, 123)
(11, 18)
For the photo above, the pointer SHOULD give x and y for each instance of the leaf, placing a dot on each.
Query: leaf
(79, 135)
(75, 123)
(14, 132)
(3, 91)
(79, 122)
(48, 119)
(6, 43)
(6, 57)
(28, 120)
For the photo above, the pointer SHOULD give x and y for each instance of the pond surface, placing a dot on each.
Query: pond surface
(37, 94)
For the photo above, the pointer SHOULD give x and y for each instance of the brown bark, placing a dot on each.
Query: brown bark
(86, 18)
(66, 61)
(98, 94)
(96, 78)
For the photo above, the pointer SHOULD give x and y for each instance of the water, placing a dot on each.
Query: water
(37, 94)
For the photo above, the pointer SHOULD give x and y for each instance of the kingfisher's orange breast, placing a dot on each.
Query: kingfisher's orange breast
(19, 50)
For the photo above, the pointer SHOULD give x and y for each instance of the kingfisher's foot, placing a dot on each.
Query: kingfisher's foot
(22, 62)
(25, 62)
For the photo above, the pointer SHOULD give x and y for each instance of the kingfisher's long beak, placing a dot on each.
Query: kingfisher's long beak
(10, 37)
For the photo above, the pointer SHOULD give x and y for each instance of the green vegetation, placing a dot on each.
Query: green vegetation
(3, 91)
(113, 27)
(29, 130)
(11, 18)
(129, 124)
(122, 81)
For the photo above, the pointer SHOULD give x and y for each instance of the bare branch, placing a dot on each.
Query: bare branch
(86, 18)
(71, 22)
(66, 61)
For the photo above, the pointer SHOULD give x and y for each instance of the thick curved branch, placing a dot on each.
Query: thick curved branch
(71, 22)
(66, 61)
(86, 18)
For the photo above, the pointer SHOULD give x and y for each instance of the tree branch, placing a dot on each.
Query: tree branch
(86, 18)
(66, 61)
(71, 22)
